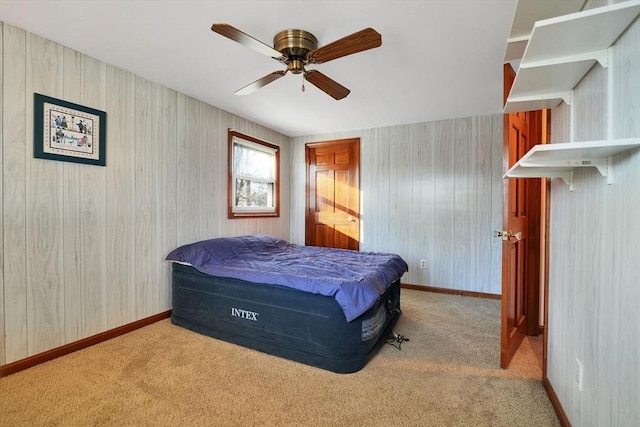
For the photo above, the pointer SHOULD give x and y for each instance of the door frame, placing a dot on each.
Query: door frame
(544, 256)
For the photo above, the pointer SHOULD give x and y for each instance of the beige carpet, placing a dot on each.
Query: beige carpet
(448, 374)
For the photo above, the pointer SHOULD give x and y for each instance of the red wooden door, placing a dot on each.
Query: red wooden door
(514, 246)
(521, 232)
(333, 194)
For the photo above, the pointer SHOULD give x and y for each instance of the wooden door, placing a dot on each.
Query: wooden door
(514, 245)
(521, 230)
(333, 194)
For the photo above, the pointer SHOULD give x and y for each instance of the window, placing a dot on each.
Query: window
(254, 168)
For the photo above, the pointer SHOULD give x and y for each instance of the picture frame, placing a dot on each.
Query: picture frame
(68, 132)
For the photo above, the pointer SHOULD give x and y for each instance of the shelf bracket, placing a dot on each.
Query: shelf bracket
(567, 177)
(601, 164)
(604, 166)
(602, 57)
(570, 181)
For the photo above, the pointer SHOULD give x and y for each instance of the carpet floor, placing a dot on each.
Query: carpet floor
(448, 374)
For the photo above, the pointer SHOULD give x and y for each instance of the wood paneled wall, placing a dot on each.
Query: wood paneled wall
(83, 246)
(429, 191)
(594, 280)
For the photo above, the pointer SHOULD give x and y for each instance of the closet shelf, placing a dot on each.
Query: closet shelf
(560, 160)
(562, 50)
(527, 13)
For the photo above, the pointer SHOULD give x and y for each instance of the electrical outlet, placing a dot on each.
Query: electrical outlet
(423, 263)
(579, 374)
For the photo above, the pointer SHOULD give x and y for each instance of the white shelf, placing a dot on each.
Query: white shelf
(527, 13)
(562, 50)
(560, 160)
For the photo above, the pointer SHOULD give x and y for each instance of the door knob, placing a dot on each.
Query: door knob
(507, 234)
(351, 218)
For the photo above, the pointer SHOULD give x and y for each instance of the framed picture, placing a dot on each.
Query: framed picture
(68, 132)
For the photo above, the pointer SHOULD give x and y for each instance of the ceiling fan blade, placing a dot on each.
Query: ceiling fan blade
(327, 85)
(357, 42)
(263, 81)
(236, 35)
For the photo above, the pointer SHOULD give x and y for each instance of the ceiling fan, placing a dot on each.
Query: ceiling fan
(298, 48)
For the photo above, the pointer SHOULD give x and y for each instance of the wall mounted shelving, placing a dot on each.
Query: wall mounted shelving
(527, 13)
(560, 160)
(561, 50)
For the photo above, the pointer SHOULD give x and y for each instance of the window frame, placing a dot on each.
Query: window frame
(233, 211)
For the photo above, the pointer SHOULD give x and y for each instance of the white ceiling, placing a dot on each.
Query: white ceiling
(439, 59)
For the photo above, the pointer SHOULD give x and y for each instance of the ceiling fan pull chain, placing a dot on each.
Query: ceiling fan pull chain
(303, 81)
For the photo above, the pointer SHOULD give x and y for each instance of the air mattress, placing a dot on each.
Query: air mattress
(282, 321)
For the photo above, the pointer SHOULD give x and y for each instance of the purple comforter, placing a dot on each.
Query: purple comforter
(354, 279)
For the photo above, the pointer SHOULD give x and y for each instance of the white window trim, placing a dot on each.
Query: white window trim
(239, 211)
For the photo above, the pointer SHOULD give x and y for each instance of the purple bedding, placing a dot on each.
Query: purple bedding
(354, 279)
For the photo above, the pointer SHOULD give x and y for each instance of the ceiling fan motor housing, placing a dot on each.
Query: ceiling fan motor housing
(295, 44)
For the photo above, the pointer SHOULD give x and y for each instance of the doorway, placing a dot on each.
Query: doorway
(525, 210)
(333, 194)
